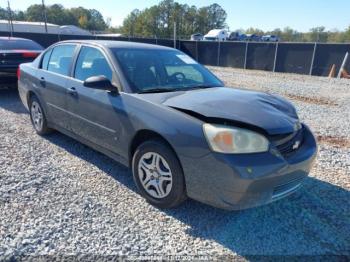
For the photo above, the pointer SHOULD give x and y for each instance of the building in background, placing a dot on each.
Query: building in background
(39, 27)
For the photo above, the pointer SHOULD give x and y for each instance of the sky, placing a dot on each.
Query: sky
(300, 15)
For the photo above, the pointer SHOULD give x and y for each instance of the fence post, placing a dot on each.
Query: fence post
(246, 54)
(197, 57)
(275, 61)
(313, 60)
(343, 64)
(218, 53)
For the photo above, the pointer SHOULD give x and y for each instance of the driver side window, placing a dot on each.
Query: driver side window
(91, 62)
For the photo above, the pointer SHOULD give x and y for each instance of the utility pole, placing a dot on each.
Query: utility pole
(45, 16)
(10, 18)
(174, 34)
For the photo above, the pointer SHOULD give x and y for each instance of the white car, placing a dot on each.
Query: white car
(217, 35)
(270, 38)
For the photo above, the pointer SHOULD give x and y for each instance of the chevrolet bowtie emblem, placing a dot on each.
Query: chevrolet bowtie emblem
(296, 145)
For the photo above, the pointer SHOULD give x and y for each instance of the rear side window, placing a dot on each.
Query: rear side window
(91, 62)
(61, 59)
(45, 61)
(19, 44)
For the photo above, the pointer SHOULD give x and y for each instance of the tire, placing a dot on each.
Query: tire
(158, 174)
(37, 117)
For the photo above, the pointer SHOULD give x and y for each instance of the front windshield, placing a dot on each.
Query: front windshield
(152, 70)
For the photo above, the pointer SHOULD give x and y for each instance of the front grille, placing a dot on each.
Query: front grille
(290, 143)
(287, 188)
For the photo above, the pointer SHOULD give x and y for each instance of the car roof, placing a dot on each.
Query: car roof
(13, 38)
(118, 44)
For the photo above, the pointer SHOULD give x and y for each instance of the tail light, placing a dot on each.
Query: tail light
(18, 73)
(30, 54)
(26, 53)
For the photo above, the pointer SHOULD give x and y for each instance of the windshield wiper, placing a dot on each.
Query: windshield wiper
(199, 87)
(156, 90)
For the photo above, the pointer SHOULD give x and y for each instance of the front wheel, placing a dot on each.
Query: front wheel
(158, 174)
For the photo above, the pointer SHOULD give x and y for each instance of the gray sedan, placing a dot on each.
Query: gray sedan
(170, 120)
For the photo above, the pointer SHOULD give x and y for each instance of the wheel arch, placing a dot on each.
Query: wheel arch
(30, 94)
(144, 135)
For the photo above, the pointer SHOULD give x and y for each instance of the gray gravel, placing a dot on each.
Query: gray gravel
(59, 197)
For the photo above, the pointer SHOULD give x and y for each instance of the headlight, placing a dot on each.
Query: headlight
(232, 140)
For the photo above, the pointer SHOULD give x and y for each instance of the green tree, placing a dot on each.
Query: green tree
(346, 35)
(83, 21)
(96, 21)
(35, 13)
(159, 20)
(129, 23)
(256, 31)
(317, 34)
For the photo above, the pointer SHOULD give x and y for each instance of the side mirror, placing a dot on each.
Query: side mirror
(101, 83)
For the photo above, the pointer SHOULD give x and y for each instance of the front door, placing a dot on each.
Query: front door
(94, 113)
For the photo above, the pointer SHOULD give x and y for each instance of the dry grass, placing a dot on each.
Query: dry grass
(312, 100)
(340, 142)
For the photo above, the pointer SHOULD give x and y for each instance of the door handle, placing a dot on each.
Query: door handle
(42, 81)
(72, 91)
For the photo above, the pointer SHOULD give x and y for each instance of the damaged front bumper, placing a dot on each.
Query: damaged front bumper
(242, 181)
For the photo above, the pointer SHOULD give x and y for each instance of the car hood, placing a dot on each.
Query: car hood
(271, 113)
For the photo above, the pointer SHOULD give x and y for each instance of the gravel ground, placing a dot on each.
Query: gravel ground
(59, 197)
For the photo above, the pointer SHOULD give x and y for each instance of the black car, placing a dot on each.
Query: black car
(13, 52)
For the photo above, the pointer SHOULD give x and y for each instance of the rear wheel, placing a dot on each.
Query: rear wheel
(38, 117)
(158, 174)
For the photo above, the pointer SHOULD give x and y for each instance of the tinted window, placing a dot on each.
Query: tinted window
(19, 44)
(91, 62)
(45, 61)
(61, 59)
(163, 69)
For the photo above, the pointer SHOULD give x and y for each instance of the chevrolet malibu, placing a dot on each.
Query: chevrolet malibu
(168, 118)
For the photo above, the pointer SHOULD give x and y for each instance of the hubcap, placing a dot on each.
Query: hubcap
(37, 116)
(155, 175)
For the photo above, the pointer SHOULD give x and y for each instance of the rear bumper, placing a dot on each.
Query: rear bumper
(242, 181)
(8, 78)
(12, 69)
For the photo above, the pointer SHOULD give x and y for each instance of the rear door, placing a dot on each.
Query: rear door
(53, 76)
(95, 113)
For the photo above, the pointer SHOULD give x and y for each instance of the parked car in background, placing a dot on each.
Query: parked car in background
(234, 36)
(270, 38)
(243, 37)
(237, 36)
(197, 37)
(172, 121)
(217, 35)
(253, 38)
(13, 52)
